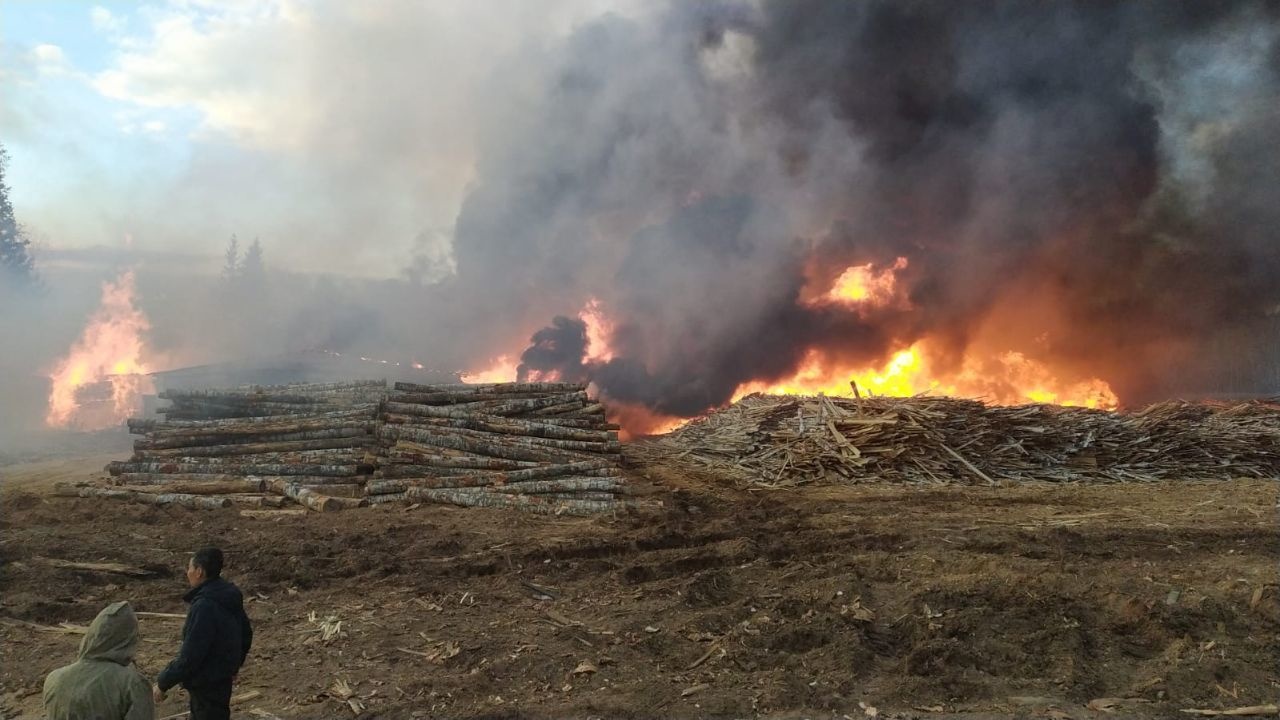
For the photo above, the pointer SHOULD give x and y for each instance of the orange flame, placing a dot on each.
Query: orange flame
(1004, 378)
(501, 369)
(599, 328)
(864, 284)
(1010, 378)
(110, 349)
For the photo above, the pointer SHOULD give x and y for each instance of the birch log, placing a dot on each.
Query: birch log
(253, 448)
(339, 490)
(560, 485)
(518, 502)
(385, 498)
(193, 501)
(186, 440)
(200, 487)
(141, 425)
(496, 388)
(496, 424)
(266, 501)
(309, 498)
(268, 514)
(545, 447)
(229, 468)
(456, 441)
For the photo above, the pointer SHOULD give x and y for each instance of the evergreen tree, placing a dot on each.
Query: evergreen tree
(252, 269)
(15, 257)
(231, 266)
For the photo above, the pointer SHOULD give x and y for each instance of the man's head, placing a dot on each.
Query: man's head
(206, 564)
(112, 636)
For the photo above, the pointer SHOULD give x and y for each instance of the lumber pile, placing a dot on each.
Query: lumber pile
(781, 441)
(536, 447)
(268, 401)
(256, 446)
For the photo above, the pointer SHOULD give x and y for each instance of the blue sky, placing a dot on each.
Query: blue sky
(69, 25)
(76, 154)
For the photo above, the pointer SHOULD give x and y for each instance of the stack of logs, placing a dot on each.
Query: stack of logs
(254, 446)
(538, 447)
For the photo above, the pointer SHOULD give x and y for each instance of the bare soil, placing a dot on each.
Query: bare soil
(907, 602)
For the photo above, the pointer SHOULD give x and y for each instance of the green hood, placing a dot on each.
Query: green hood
(113, 636)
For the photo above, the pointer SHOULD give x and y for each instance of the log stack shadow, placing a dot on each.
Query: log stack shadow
(536, 447)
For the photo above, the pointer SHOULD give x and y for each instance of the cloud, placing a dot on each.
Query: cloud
(104, 21)
(50, 60)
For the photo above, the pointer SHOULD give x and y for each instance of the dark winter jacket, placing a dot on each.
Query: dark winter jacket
(215, 638)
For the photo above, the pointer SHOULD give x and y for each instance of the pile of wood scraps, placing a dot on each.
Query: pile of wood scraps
(781, 441)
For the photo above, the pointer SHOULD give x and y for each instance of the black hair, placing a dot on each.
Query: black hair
(210, 560)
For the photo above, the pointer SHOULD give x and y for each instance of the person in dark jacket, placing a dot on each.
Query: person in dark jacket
(215, 640)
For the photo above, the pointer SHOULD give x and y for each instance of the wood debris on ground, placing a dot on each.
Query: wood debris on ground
(537, 447)
(783, 441)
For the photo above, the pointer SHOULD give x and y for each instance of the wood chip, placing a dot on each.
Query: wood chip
(64, 628)
(703, 658)
(694, 689)
(107, 567)
(1250, 710)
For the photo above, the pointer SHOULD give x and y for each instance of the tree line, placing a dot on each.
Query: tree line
(242, 270)
(16, 263)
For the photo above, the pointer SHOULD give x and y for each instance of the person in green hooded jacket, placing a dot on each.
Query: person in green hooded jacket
(101, 684)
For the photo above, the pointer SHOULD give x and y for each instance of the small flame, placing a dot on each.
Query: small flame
(864, 284)
(637, 420)
(110, 349)
(500, 369)
(1027, 379)
(363, 358)
(899, 377)
(669, 425)
(599, 329)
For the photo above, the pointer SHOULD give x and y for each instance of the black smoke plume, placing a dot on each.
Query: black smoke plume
(557, 349)
(1094, 184)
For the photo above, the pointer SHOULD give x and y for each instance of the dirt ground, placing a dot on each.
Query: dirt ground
(850, 602)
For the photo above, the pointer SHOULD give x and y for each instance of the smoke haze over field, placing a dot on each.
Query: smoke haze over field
(1093, 185)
